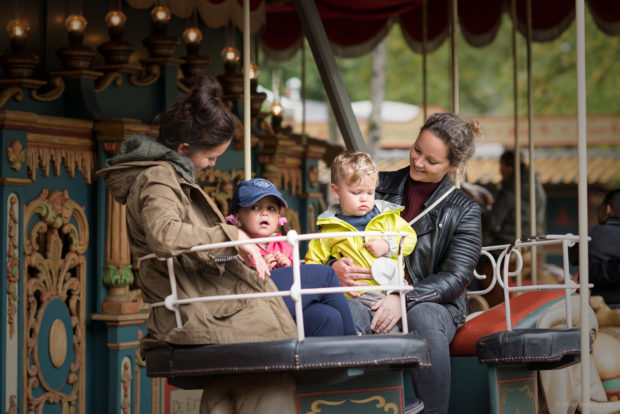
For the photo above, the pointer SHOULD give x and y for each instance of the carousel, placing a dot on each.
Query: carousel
(79, 78)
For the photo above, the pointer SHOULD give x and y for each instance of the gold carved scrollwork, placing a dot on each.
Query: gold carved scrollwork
(55, 239)
(378, 400)
(219, 186)
(14, 92)
(53, 90)
(107, 79)
(147, 77)
(12, 265)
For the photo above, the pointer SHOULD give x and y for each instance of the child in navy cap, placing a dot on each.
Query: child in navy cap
(256, 207)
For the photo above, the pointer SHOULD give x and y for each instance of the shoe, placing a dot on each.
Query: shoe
(414, 406)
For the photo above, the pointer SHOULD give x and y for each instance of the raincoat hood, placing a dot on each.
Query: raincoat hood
(136, 154)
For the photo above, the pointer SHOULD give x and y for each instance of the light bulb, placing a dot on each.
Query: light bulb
(17, 28)
(192, 35)
(115, 18)
(276, 109)
(160, 14)
(254, 70)
(230, 54)
(75, 23)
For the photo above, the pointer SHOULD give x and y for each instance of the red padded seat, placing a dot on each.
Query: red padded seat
(525, 310)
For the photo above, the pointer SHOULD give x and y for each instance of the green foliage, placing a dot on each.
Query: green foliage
(485, 74)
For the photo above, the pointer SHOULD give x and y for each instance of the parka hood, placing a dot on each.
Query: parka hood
(136, 154)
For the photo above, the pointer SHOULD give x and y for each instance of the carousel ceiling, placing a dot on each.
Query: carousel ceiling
(355, 27)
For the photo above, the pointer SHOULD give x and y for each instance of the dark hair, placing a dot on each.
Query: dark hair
(456, 133)
(612, 199)
(508, 158)
(200, 119)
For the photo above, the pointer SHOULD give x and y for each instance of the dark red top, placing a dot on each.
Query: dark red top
(416, 194)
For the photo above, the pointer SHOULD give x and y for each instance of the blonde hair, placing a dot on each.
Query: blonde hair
(351, 166)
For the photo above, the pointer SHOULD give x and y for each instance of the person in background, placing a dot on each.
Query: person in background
(604, 251)
(449, 238)
(354, 178)
(500, 222)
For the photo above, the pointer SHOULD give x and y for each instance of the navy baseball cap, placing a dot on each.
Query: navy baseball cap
(250, 191)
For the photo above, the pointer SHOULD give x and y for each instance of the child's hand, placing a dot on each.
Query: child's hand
(271, 261)
(282, 260)
(377, 247)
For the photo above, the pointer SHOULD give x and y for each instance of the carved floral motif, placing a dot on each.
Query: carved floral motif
(55, 239)
(16, 155)
(12, 266)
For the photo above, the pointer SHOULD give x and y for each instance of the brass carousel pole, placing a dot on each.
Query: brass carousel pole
(517, 161)
(247, 116)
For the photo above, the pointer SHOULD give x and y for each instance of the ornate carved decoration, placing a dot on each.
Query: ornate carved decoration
(14, 92)
(54, 89)
(148, 76)
(12, 266)
(82, 160)
(16, 155)
(54, 289)
(126, 378)
(311, 218)
(12, 405)
(219, 186)
(107, 79)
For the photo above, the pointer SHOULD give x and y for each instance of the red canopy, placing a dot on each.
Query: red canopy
(355, 27)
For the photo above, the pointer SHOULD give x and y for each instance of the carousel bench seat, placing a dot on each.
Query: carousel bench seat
(534, 348)
(188, 367)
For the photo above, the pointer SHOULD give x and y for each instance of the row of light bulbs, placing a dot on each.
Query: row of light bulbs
(18, 29)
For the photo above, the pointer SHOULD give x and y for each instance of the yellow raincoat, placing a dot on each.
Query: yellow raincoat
(320, 251)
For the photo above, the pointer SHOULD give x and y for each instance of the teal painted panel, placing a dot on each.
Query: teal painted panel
(352, 391)
(55, 377)
(513, 390)
(469, 390)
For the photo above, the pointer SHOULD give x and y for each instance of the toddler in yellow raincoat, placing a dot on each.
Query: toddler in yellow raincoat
(354, 178)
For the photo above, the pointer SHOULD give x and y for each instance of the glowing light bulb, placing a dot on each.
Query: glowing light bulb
(230, 54)
(115, 18)
(75, 23)
(192, 35)
(17, 28)
(276, 109)
(160, 14)
(254, 70)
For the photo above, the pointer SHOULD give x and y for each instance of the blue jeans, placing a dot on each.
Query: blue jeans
(324, 314)
(434, 323)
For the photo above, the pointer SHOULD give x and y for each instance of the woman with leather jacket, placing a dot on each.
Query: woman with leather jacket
(442, 263)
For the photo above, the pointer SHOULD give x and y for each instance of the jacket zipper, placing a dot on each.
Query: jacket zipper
(430, 295)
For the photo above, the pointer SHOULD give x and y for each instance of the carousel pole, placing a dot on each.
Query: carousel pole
(424, 60)
(517, 161)
(454, 55)
(582, 199)
(530, 124)
(247, 118)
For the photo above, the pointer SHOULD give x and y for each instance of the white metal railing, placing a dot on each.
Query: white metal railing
(172, 301)
(501, 276)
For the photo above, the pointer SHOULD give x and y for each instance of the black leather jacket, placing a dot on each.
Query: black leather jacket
(449, 242)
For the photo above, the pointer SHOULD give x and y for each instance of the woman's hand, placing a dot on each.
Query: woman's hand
(250, 253)
(387, 314)
(348, 273)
